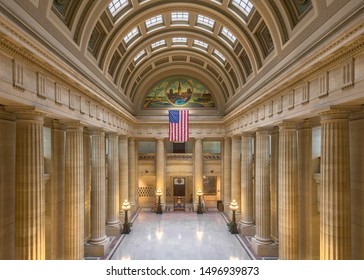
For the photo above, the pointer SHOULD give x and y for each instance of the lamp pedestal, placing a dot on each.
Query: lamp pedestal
(126, 226)
(159, 207)
(234, 226)
(199, 207)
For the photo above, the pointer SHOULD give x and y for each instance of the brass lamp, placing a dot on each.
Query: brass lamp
(199, 207)
(159, 207)
(126, 208)
(234, 227)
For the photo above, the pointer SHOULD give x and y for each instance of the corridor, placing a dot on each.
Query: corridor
(180, 236)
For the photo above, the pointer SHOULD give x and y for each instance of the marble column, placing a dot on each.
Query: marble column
(308, 215)
(274, 136)
(262, 242)
(112, 221)
(227, 174)
(235, 172)
(133, 199)
(335, 221)
(98, 242)
(74, 192)
(123, 174)
(87, 182)
(198, 170)
(161, 170)
(7, 185)
(56, 233)
(288, 192)
(246, 224)
(29, 187)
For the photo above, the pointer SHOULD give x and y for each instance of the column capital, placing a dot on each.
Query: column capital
(111, 134)
(73, 125)
(160, 138)
(266, 130)
(123, 137)
(57, 125)
(6, 115)
(335, 114)
(28, 113)
(274, 130)
(287, 125)
(248, 134)
(97, 131)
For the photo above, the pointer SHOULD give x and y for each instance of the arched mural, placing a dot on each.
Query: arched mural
(179, 91)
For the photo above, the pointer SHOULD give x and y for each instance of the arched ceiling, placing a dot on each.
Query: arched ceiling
(134, 43)
(235, 47)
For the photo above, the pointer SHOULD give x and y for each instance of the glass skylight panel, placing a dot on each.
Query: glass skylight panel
(219, 55)
(200, 44)
(116, 5)
(243, 5)
(131, 35)
(154, 21)
(179, 41)
(180, 17)
(139, 55)
(228, 34)
(205, 21)
(158, 44)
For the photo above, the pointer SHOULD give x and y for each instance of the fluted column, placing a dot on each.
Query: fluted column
(288, 192)
(74, 192)
(161, 170)
(98, 190)
(235, 172)
(227, 174)
(29, 187)
(198, 170)
(56, 234)
(87, 181)
(308, 215)
(274, 136)
(7, 185)
(246, 224)
(132, 175)
(262, 242)
(112, 220)
(335, 211)
(123, 174)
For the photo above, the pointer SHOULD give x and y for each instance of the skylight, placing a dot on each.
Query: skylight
(200, 44)
(154, 21)
(243, 5)
(117, 5)
(139, 55)
(205, 21)
(219, 55)
(131, 35)
(179, 41)
(228, 34)
(158, 44)
(179, 17)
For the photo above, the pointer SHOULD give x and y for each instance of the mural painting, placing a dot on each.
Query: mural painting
(179, 91)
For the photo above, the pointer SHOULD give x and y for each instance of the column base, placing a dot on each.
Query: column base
(264, 250)
(97, 250)
(113, 230)
(246, 229)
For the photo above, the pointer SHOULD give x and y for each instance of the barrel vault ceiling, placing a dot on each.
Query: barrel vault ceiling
(235, 47)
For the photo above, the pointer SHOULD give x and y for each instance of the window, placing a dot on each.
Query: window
(131, 35)
(227, 34)
(158, 44)
(219, 55)
(243, 5)
(180, 17)
(205, 21)
(139, 55)
(117, 5)
(200, 44)
(157, 20)
(179, 41)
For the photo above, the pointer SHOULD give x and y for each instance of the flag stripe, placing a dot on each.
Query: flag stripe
(178, 126)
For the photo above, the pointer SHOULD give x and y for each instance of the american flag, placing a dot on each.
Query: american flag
(178, 126)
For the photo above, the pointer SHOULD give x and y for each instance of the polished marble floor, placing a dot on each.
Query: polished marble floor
(180, 236)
